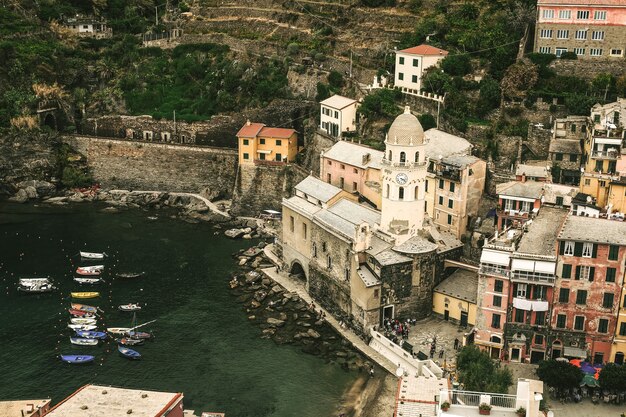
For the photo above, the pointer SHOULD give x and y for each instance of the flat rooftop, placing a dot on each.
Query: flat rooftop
(22, 408)
(591, 229)
(102, 401)
(462, 284)
(540, 239)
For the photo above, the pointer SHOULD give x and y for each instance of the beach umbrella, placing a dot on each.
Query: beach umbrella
(589, 381)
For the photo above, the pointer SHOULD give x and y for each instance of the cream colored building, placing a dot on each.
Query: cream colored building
(455, 298)
(412, 62)
(338, 115)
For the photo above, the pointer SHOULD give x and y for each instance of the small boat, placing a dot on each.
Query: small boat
(90, 334)
(234, 233)
(80, 313)
(83, 341)
(86, 327)
(85, 294)
(129, 275)
(119, 330)
(128, 341)
(90, 270)
(92, 255)
(83, 320)
(35, 285)
(77, 358)
(90, 281)
(129, 353)
(85, 307)
(140, 335)
(130, 307)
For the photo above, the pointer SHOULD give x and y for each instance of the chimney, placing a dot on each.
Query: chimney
(248, 122)
(523, 177)
(407, 109)
(366, 158)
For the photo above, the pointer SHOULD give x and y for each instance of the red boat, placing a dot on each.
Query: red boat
(88, 271)
(80, 313)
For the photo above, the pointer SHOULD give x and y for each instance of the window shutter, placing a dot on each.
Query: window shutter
(577, 271)
(561, 247)
(594, 252)
(592, 272)
(578, 249)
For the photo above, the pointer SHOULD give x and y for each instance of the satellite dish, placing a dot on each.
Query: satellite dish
(589, 200)
(399, 371)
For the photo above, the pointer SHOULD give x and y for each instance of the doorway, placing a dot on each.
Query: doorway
(537, 356)
(598, 357)
(515, 354)
(619, 358)
(446, 315)
(464, 318)
(388, 312)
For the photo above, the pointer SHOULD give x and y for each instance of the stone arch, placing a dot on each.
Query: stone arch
(50, 120)
(297, 270)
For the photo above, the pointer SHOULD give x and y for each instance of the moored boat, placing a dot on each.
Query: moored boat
(128, 341)
(90, 334)
(129, 353)
(130, 307)
(35, 285)
(90, 281)
(140, 335)
(85, 307)
(90, 270)
(129, 275)
(83, 341)
(80, 313)
(76, 359)
(91, 294)
(83, 320)
(85, 327)
(92, 255)
(118, 330)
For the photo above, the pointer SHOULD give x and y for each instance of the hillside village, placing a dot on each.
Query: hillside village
(420, 173)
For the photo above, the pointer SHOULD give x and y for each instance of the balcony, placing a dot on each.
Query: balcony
(465, 403)
(406, 164)
(532, 277)
(612, 154)
(514, 213)
(493, 270)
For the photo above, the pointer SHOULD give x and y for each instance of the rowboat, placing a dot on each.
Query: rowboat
(90, 334)
(77, 358)
(129, 353)
(91, 281)
(35, 285)
(129, 275)
(84, 307)
(83, 320)
(130, 307)
(86, 327)
(90, 270)
(83, 341)
(92, 255)
(80, 313)
(85, 294)
(128, 341)
(140, 335)
(119, 330)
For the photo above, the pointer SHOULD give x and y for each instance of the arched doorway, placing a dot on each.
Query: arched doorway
(494, 350)
(619, 358)
(50, 121)
(297, 271)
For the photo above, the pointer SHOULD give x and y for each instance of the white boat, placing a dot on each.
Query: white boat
(130, 307)
(33, 281)
(84, 327)
(35, 285)
(83, 320)
(119, 330)
(94, 268)
(92, 255)
(92, 281)
(83, 341)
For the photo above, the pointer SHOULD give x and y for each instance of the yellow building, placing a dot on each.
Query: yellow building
(259, 144)
(618, 348)
(617, 195)
(454, 298)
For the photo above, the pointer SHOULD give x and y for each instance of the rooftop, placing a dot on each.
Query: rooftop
(591, 229)
(568, 146)
(390, 257)
(537, 171)
(338, 102)
(528, 189)
(367, 276)
(345, 216)
(460, 161)
(250, 130)
(424, 50)
(540, 239)
(301, 206)
(276, 132)
(417, 395)
(444, 144)
(415, 245)
(22, 408)
(102, 401)
(581, 2)
(317, 189)
(356, 155)
(461, 284)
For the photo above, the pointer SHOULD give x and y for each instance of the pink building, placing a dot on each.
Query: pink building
(518, 202)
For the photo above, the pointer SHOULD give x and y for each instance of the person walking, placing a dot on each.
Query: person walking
(456, 344)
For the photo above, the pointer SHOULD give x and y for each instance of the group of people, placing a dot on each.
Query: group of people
(397, 331)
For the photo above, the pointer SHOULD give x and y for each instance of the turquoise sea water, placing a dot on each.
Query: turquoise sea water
(204, 346)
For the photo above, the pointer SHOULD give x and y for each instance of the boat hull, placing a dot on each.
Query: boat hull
(126, 341)
(83, 341)
(91, 334)
(84, 307)
(130, 275)
(92, 255)
(89, 281)
(80, 313)
(77, 359)
(85, 327)
(118, 330)
(129, 307)
(83, 320)
(85, 294)
(129, 353)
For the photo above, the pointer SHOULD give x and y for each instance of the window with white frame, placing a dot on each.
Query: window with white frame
(544, 49)
(525, 206)
(569, 248)
(508, 204)
(579, 51)
(595, 52)
(565, 14)
(585, 271)
(545, 33)
(587, 249)
(562, 34)
(597, 35)
(548, 14)
(617, 52)
(599, 15)
(582, 15)
(559, 51)
(581, 34)
(521, 290)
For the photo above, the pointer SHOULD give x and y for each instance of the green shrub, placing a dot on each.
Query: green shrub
(569, 55)
(427, 121)
(293, 49)
(541, 59)
(457, 65)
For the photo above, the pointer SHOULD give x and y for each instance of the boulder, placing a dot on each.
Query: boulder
(255, 304)
(20, 197)
(252, 277)
(277, 289)
(31, 191)
(247, 236)
(260, 295)
(75, 198)
(313, 334)
(42, 188)
(275, 322)
(56, 200)
(282, 316)
(243, 261)
(252, 317)
(341, 354)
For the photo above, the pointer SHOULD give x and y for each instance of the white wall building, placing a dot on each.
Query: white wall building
(338, 115)
(412, 62)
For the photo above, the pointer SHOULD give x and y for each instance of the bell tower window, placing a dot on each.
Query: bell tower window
(390, 156)
(416, 192)
(402, 157)
(417, 156)
(401, 193)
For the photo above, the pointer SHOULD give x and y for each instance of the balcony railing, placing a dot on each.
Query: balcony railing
(532, 277)
(613, 154)
(493, 270)
(405, 164)
(516, 213)
(472, 399)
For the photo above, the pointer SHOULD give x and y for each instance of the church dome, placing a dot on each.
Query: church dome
(405, 130)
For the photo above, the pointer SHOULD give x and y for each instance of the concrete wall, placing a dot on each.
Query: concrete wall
(158, 166)
(454, 306)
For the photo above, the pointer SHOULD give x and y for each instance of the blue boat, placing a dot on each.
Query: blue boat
(91, 334)
(129, 353)
(77, 358)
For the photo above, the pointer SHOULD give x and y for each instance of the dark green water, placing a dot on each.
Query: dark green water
(204, 346)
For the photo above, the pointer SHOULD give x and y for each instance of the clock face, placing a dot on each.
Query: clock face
(402, 178)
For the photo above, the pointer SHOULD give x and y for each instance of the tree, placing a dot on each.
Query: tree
(478, 372)
(323, 92)
(436, 81)
(335, 80)
(489, 96)
(579, 104)
(380, 103)
(559, 375)
(613, 377)
(519, 78)
(457, 65)
(427, 121)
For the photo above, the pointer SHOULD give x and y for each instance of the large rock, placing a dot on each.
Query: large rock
(20, 197)
(313, 334)
(275, 322)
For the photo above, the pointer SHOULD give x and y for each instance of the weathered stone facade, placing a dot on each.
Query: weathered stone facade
(589, 69)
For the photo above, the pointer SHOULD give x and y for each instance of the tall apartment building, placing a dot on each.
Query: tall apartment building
(592, 29)
(566, 150)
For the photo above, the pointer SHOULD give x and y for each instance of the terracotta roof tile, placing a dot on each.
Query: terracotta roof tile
(424, 50)
(250, 130)
(276, 132)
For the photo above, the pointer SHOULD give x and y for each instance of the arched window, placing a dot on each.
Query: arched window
(417, 191)
(314, 250)
(402, 157)
(401, 193)
(417, 156)
(387, 190)
(390, 156)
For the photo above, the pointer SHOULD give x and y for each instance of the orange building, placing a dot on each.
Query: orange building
(259, 144)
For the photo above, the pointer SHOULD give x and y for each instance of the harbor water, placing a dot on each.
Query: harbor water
(204, 345)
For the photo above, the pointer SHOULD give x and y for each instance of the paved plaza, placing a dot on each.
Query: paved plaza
(426, 330)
